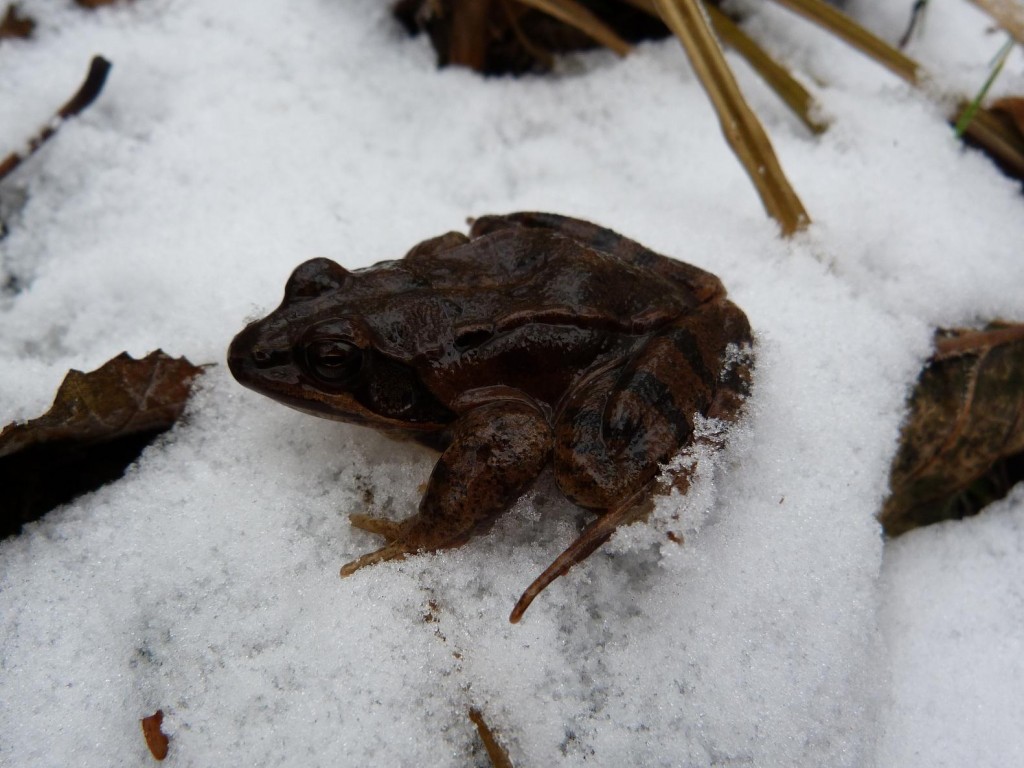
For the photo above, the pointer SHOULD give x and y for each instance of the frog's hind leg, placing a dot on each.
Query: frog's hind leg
(588, 542)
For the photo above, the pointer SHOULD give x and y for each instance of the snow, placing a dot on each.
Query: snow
(232, 143)
(955, 619)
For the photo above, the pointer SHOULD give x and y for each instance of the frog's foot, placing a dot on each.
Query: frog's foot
(592, 537)
(392, 551)
(389, 529)
(392, 531)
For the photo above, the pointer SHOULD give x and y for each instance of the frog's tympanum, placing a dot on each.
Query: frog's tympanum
(537, 341)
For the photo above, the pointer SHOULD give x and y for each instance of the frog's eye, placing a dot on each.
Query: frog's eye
(333, 360)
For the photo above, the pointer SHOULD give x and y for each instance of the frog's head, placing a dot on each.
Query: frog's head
(316, 353)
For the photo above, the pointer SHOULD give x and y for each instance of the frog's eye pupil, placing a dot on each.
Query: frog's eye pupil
(333, 360)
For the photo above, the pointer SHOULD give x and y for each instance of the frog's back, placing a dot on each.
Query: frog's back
(536, 275)
(694, 281)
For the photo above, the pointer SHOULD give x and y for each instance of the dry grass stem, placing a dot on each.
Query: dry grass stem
(985, 129)
(777, 77)
(576, 15)
(740, 125)
(846, 29)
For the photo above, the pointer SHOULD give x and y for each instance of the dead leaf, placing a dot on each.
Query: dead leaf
(14, 24)
(98, 424)
(93, 4)
(156, 739)
(965, 427)
(510, 36)
(1012, 107)
(999, 132)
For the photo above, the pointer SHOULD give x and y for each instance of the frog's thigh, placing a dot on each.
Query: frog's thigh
(497, 451)
(617, 428)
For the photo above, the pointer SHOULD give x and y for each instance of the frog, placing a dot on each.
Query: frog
(536, 343)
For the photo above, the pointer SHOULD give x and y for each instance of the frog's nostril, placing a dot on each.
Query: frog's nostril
(261, 355)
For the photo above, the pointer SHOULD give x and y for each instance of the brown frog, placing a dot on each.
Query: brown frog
(538, 340)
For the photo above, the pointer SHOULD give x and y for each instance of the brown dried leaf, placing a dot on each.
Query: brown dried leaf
(92, 4)
(156, 739)
(999, 132)
(13, 24)
(513, 36)
(995, 133)
(98, 424)
(966, 417)
(1012, 107)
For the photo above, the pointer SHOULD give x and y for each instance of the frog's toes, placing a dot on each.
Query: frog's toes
(588, 542)
(393, 551)
(389, 529)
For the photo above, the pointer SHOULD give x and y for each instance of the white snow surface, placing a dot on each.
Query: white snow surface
(234, 141)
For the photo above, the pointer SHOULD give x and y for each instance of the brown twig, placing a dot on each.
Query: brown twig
(499, 757)
(962, 343)
(86, 94)
(916, 14)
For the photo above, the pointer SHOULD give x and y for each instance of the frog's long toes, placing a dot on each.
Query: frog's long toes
(535, 589)
(592, 537)
(393, 551)
(389, 529)
(559, 567)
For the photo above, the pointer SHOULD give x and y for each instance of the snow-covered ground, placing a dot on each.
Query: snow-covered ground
(234, 141)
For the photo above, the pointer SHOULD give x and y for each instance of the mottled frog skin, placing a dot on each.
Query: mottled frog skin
(538, 341)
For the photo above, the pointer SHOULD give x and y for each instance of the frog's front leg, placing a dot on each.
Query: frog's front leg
(497, 450)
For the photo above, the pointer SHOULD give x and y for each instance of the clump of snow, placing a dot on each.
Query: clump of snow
(232, 143)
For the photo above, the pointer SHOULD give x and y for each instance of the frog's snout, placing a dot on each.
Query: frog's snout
(247, 355)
